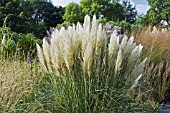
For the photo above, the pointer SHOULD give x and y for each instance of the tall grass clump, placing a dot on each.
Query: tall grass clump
(17, 78)
(88, 72)
(156, 45)
(157, 49)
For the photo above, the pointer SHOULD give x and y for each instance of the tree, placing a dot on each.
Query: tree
(92, 7)
(159, 11)
(114, 12)
(130, 12)
(9, 9)
(73, 13)
(30, 16)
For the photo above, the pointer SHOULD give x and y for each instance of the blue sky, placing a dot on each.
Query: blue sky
(141, 5)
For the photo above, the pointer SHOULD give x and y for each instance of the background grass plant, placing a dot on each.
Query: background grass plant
(156, 45)
(16, 80)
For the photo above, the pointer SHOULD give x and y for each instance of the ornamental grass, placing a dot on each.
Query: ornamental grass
(90, 72)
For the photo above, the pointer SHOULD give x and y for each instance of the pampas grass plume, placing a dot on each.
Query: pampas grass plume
(41, 57)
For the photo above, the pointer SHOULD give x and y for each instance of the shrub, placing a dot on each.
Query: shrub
(13, 42)
(90, 73)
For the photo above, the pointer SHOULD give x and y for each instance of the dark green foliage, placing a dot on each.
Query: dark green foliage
(130, 12)
(67, 94)
(30, 16)
(73, 13)
(105, 10)
(22, 43)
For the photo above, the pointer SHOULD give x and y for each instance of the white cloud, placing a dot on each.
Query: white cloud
(63, 3)
(142, 9)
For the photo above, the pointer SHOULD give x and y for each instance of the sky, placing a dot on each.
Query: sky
(141, 5)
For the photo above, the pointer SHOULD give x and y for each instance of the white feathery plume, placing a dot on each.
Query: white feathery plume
(123, 44)
(112, 47)
(118, 62)
(85, 35)
(88, 59)
(129, 47)
(86, 22)
(137, 73)
(46, 52)
(132, 60)
(41, 57)
(3, 40)
(93, 31)
(79, 32)
(138, 70)
(76, 40)
(104, 37)
(130, 42)
(68, 50)
(99, 40)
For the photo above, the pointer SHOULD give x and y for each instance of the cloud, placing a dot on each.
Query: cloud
(63, 3)
(142, 9)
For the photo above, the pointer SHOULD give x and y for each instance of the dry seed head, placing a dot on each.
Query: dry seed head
(118, 62)
(68, 51)
(99, 41)
(113, 47)
(88, 59)
(46, 52)
(41, 57)
(130, 42)
(86, 22)
(155, 30)
(3, 40)
(123, 44)
(132, 61)
(138, 69)
(93, 31)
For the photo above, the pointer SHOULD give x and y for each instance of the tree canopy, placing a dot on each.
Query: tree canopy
(111, 10)
(159, 11)
(73, 13)
(30, 16)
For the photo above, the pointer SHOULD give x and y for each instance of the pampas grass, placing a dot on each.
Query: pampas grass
(92, 66)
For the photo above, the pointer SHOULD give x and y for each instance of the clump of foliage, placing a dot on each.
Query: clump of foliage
(30, 16)
(13, 42)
